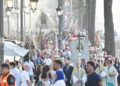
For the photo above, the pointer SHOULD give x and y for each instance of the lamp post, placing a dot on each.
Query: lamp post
(33, 5)
(1, 32)
(8, 21)
(17, 19)
(8, 9)
(9, 4)
(21, 21)
(59, 13)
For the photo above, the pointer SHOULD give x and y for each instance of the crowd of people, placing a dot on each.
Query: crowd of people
(52, 68)
(45, 71)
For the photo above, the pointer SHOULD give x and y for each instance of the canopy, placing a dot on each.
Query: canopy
(12, 49)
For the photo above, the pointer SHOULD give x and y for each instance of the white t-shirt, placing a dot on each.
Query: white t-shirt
(46, 83)
(67, 53)
(31, 67)
(48, 62)
(24, 78)
(60, 83)
(16, 73)
(112, 80)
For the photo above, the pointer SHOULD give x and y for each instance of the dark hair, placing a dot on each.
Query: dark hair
(44, 75)
(68, 58)
(46, 68)
(39, 69)
(58, 62)
(45, 72)
(109, 61)
(12, 64)
(5, 66)
(26, 57)
(83, 59)
(99, 61)
(116, 59)
(91, 63)
(16, 63)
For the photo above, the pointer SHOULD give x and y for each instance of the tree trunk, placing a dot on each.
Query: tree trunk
(80, 14)
(1, 33)
(90, 11)
(109, 28)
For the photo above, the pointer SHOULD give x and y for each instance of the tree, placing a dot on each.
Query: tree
(90, 19)
(109, 28)
(1, 32)
(80, 14)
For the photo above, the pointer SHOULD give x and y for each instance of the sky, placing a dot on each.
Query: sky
(52, 4)
(99, 12)
(100, 15)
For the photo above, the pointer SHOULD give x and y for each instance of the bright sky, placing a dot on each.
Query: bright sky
(52, 4)
(100, 15)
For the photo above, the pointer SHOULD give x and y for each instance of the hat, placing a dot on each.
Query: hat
(5, 66)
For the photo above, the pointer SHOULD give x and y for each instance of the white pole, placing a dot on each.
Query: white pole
(56, 37)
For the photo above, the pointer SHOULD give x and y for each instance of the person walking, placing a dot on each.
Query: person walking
(44, 77)
(16, 73)
(111, 74)
(59, 81)
(83, 64)
(57, 66)
(6, 78)
(25, 78)
(38, 73)
(117, 66)
(31, 69)
(79, 75)
(68, 70)
(93, 79)
(101, 70)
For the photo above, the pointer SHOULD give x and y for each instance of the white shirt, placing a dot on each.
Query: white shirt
(60, 83)
(31, 67)
(16, 73)
(48, 61)
(67, 53)
(46, 83)
(24, 78)
(113, 80)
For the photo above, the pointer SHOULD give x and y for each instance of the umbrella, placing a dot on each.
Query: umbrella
(12, 49)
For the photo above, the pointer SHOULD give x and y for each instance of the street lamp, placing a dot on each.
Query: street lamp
(9, 4)
(8, 9)
(59, 13)
(33, 5)
(8, 20)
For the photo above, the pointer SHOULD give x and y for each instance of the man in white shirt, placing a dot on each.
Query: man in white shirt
(31, 68)
(25, 79)
(16, 73)
(67, 52)
(48, 61)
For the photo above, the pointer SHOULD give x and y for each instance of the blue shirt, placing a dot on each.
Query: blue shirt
(93, 80)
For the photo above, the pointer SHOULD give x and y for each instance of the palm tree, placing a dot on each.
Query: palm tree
(109, 28)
